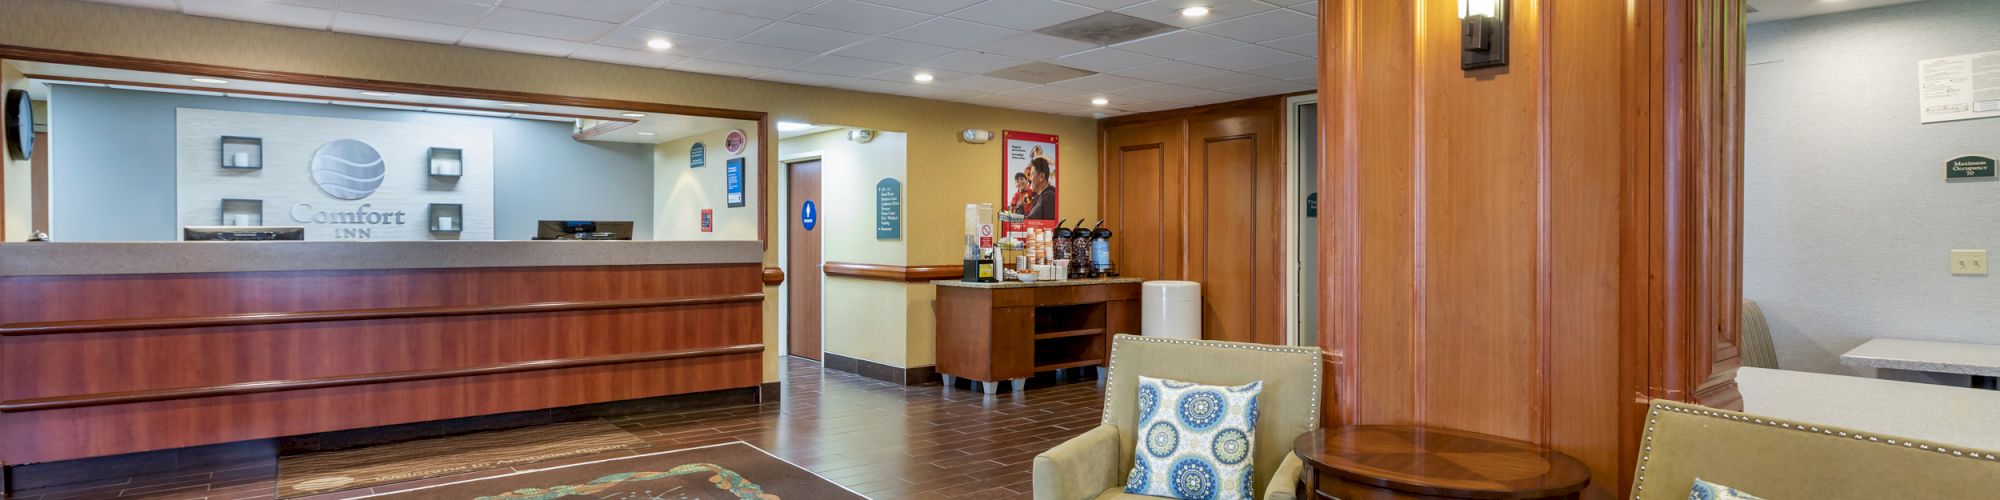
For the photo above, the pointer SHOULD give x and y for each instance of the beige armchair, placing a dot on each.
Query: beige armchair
(1093, 465)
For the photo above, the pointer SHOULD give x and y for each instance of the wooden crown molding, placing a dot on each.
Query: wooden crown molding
(900, 274)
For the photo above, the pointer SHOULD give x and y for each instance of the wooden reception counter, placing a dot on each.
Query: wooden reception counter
(110, 348)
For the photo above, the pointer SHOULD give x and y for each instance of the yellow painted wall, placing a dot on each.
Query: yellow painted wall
(944, 173)
(680, 192)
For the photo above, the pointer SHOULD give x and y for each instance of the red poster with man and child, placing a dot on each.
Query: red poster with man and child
(1028, 177)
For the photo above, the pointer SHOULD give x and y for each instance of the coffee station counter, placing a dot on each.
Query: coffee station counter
(1008, 331)
(132, 347)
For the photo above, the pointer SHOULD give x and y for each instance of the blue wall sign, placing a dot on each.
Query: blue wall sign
(735, 182)
(888, 209)
(809, 215)
(698, 155)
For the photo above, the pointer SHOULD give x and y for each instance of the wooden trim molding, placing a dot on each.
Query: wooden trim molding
(263, 386)
(129, 83)
(885, 272)
(774, 276)
(250, 319)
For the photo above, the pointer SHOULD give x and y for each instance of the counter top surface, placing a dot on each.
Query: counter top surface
(1926, 356)
(1038, 284)
(70, 259)
(1945, 414)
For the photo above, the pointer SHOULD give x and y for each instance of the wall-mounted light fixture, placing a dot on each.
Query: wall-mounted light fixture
(975, 136)
(1482, 33)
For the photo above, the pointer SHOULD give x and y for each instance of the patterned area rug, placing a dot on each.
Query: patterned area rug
(331, 471)
(733, 471)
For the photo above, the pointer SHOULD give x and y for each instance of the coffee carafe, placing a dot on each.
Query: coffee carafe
(1059, 244)
(1079, 251)
(1100, 251)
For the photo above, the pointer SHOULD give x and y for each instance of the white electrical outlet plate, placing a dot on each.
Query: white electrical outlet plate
(1968, 262)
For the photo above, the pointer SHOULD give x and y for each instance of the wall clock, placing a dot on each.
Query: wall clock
(20, 125)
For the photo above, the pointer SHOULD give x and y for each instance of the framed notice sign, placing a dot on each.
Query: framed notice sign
(735, 182)
(1028, 173)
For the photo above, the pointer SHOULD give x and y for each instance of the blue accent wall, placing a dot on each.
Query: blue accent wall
(111, 172)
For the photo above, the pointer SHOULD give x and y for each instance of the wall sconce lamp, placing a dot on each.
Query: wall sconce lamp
(1482, 33)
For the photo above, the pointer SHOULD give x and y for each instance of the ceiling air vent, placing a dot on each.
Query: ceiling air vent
(1039, 72)
(1106, 28)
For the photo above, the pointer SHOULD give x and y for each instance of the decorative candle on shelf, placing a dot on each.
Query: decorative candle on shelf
(239, 159)
(444, 223)
(242, 219)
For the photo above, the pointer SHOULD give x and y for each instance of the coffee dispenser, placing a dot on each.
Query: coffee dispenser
(1079, 251)
(1100, 251)
(1059, 244)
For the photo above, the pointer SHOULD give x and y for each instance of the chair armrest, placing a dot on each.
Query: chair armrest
(1080, 468)
(1285, 483)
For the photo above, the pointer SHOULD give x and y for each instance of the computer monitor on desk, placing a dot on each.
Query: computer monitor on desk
(584, 230)
(243, 233)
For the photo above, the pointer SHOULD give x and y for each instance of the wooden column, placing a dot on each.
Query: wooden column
(1533, 250)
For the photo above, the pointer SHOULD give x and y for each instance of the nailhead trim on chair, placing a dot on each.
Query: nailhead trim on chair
(1312, 411)
(1638, 483)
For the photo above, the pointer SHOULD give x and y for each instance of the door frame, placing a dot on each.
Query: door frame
(1292, 220)
(783, 200)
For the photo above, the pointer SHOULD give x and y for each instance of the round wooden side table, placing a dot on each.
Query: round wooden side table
(1368, 462)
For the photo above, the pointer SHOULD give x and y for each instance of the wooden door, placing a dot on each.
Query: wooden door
(1236, 223)
(1141, 203)
(803, 247)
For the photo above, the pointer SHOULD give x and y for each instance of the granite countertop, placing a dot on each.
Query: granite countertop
(1926, 356)
(1038, 284)
(69, 259)
(1945, 414)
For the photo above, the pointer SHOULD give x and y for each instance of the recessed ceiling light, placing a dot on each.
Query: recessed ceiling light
(793, 126)
(1100, 101)
(659, 44)
(513, 105)
(925, 77)
(1194, 12)
(646, 133)
(377, 94)
(217, 81)
(633, 115)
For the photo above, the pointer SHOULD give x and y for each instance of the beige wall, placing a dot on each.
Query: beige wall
(18, 210)
(944, 173)
(862, 319)
(680, 192)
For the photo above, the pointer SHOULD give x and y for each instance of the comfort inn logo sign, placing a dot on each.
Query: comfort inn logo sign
(348, 169)
(1968, 166)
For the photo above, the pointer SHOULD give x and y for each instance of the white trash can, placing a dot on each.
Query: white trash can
(1170, 309)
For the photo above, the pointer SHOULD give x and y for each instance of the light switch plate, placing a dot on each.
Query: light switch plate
(1968, 262)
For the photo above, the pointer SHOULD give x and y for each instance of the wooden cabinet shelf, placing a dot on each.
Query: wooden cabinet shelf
(995, 334)
(1068, 333)
(1072, 364)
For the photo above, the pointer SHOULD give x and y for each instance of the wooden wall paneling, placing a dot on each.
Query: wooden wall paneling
(1522, 250)
(1142, 165)
(491, 355)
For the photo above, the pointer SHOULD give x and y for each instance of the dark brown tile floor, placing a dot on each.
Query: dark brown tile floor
(883, 440)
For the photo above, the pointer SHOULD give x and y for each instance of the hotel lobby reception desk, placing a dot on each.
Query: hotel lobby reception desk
(991, 332)
(110, 348)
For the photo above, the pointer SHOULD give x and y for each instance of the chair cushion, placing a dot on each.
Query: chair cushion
(1704, 490)
(1195, 441)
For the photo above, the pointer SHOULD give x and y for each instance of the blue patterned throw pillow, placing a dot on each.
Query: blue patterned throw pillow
(1704, 490)
(1195, 441)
